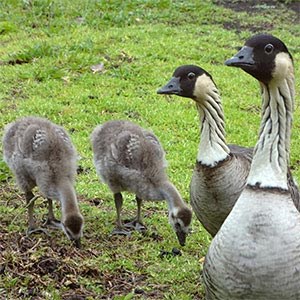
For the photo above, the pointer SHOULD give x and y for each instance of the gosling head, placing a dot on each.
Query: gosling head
(72, 227)
(263, 56)
(180, 219)
(191, 82)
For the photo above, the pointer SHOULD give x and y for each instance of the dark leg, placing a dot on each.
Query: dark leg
(137, 223)
(32, 228)
(118, 203)
(139, 209)
(30, 204)
(120, 228)
(51, 220)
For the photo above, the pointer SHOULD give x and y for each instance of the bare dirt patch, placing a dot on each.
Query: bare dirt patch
(255, 6)
(259, 7)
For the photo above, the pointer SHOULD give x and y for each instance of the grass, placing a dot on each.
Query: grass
(46, 53)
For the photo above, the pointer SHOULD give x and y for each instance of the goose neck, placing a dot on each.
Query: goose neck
(68, 199)
(212, 146)
(171, 195)
(271, 154)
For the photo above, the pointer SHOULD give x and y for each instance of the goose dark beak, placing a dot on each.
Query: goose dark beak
(243, 59)
(181, 236)
(77, 243)
(171, 88)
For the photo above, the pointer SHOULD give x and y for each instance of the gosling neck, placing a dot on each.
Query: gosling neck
(272, 151)
(212, 148)
(172, 196)
(68, 199)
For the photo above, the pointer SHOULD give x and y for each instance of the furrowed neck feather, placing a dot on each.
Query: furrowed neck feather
(212, 147)
(271, 153)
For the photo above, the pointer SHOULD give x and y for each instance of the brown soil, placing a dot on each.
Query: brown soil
(255, 6)
(261, 7)
(38, 261)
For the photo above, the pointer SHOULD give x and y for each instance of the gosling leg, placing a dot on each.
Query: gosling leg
(119, 230)
(137, 224)
(32, 227)
(51, 220)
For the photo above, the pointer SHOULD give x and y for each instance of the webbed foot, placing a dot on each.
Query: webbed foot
(53, 223)
(120, 231)
(135, 225)
(32, 230)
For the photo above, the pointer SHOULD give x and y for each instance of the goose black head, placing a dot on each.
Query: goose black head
(263, 56)
(184, 81)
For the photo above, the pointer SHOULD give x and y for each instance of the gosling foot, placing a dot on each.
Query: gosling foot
(33, 230)
(53, 223)
(120, 231)
(135, 225)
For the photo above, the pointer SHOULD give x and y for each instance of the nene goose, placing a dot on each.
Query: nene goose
(221, 170)
(40, 153)
(255, 255)
(130, 158)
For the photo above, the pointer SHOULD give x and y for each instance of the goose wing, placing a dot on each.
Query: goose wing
(246, 153)
(294, 189)
(137, 151)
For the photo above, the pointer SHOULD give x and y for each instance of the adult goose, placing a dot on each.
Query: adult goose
(221, 170)
(255, 255)
(40, 153)
(130, 158)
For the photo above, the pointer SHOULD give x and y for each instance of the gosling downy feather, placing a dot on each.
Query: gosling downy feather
(221, 170)
(255, 254)
(40, 153)
(130, 158)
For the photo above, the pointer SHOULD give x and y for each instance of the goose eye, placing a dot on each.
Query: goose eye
(269, 48)
(191, 75)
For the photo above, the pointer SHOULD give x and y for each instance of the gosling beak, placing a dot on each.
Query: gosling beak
(243, 59)
(171, 88)
(77, 243)
(181, 236)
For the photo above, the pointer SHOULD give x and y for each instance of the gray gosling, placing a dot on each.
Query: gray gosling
(130, 158)
(41, 154)
(255, 254)
(221, 170)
